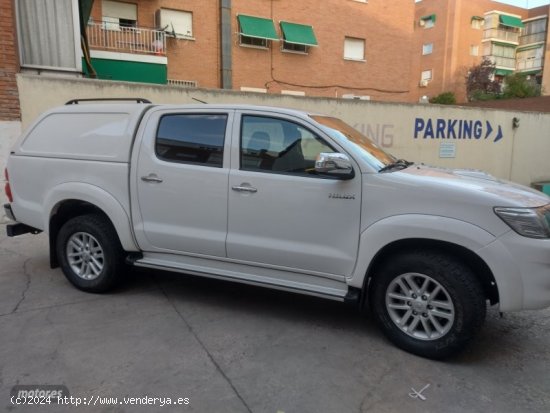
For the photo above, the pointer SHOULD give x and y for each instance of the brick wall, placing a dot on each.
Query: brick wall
(324, 72)
(9, 66)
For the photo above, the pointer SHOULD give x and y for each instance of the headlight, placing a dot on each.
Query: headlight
(529, 222)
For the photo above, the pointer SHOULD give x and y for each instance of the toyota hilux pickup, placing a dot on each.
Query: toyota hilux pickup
(282, 199)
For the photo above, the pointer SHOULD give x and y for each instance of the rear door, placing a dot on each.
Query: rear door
(181, 180)
(280, 213)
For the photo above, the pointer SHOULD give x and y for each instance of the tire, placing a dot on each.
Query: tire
(411, 290)
(90, 254)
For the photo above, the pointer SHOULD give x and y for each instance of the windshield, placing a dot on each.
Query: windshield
(370, 152)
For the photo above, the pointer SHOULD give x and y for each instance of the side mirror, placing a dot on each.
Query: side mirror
(337, 165)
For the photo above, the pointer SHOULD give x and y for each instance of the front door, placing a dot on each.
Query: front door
(280, 212)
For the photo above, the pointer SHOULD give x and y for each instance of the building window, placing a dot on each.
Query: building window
(175, 23)
(426, 76)
(48, 34)
(474, 50)
(477, 22)
(195, 139)
(297, 38)
(427, 22)
(530, 58)
(254, 41)
(118, 15)
(427, 48)
(256, 31)
(534, 31)
(354, 49)
(504, 51)
(292, 47)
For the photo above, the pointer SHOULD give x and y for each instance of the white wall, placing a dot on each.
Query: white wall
(521, 155)
(9, 131)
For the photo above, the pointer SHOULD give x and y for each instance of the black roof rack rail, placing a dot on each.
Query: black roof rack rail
(77, 101)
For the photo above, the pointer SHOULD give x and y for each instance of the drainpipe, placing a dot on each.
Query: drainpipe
(226, 44)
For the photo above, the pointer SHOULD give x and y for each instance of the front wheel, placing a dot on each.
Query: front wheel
(90, 253)
(427, 303)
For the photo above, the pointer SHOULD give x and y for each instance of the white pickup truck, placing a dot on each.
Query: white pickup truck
(282, 199)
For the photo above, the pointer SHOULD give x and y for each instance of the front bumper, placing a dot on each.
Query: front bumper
(521, 267)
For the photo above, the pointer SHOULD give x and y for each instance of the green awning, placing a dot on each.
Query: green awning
(532, 72)
(508, 45)
(503, 72)
(533, 46)
(257, 27)
(298, 34)
(510, 21)
(429, 17)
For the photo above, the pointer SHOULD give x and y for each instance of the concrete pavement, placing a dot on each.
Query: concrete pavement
(234, 348)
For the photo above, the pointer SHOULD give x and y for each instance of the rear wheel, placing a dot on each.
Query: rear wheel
(90, 253)
(427, 303)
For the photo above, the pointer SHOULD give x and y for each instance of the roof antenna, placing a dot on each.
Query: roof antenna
(198, 100)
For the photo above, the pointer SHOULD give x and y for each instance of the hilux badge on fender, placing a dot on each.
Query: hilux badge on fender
(342, 196)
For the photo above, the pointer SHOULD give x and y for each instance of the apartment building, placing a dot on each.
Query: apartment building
(340, 48)
(387, 51)
(452, 36)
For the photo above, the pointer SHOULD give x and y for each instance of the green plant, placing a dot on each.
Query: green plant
(481, 96)
(445, 98)
(480, 81)
(517, 86)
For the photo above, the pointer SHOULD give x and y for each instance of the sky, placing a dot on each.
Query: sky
(528, 4)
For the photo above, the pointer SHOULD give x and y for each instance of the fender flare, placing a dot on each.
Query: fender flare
(98, 197)
(429, 227)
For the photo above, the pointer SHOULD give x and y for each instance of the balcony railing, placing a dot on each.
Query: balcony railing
(499, 34)
(499, 61)
(102, 36)
(532, 38)
(529, 64)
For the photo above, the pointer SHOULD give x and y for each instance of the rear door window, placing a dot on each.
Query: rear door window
(192, 138)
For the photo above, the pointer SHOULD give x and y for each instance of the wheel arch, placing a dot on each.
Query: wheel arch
(467, 257)
(74, 199)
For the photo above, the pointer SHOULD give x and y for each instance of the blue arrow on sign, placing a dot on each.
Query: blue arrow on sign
(489, 129)
(499, 134)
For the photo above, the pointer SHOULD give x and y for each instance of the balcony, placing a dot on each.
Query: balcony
(505, 62)
(532, 38)
(130, 54)
(135, 40)
(529, 64)
(502, 35)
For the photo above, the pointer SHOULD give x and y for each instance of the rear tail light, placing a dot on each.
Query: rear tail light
(7, 188)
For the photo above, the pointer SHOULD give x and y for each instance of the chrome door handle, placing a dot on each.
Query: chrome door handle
(151, 178)
(244, 189)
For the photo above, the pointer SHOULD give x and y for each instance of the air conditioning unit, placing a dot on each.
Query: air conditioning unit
(422, 23)
(423, 83)
(158, 20)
